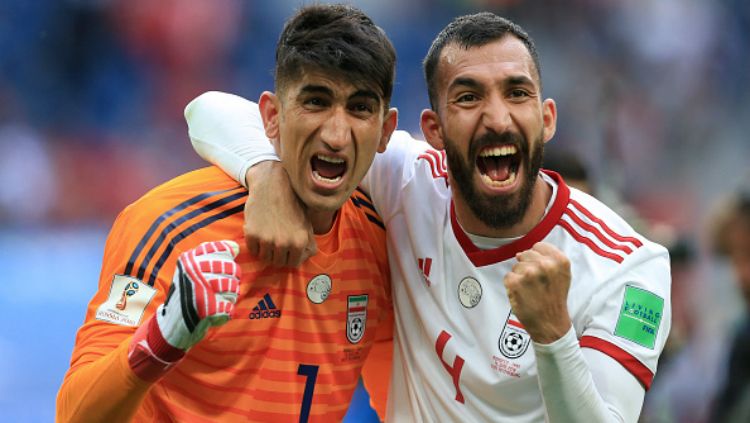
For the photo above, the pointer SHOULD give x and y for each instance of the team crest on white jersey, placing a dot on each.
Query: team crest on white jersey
(356, 317)
(469, 292)
(319, 288)
(514, 340)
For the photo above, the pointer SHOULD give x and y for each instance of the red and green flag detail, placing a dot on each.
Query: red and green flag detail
(356, 317)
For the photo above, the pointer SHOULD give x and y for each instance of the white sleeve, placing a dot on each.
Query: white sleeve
(635, 296)
(227, 131)
(581, 384)
(391, 171)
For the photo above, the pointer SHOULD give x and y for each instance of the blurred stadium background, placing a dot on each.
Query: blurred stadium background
(653, 98)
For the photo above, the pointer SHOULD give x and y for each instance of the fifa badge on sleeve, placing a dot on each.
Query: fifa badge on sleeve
(127, 300)
(640, 316)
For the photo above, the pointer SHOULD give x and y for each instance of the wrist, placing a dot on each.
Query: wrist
(159, 344)
(150, 356)
(550, 331)
(259, 173)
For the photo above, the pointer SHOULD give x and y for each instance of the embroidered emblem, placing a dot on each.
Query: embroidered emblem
(640, 316)
(514, 340)
(356, 317)
(319, 288)
(128, 298)
(469, 292)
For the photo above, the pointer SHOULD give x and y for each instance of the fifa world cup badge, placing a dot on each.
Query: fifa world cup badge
(514, 340)
(128, 298)
(130, 289)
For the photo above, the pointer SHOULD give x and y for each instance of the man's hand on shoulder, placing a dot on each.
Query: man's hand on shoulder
(277, 230)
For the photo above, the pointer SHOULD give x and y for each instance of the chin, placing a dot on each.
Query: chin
(322, 203)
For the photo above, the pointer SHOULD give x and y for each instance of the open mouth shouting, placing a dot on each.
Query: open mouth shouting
(498, 166)
(328, 170)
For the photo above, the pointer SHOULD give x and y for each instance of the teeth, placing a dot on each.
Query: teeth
(497, 184)
(317, 176)
(328, 159)
(504, 150)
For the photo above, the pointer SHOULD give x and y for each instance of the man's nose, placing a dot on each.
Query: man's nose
(336, 131)
(496, 115)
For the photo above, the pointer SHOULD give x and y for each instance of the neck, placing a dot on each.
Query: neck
(321, 221)
(470, 223)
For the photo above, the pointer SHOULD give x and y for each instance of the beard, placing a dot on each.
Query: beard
(497, 212)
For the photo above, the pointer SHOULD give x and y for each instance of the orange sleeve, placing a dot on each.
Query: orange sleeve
(105, 390)
(100, 386)
(141, 248)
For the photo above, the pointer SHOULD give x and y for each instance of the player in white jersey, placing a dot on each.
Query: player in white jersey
(517, 298)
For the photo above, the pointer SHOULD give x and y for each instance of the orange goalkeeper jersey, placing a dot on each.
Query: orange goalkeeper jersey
(295, 347)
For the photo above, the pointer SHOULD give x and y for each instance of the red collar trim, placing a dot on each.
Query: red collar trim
(486, 257)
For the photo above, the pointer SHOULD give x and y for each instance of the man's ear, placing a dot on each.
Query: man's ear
(270, 108)
(433, 133)
(549, 115)
(389, 125)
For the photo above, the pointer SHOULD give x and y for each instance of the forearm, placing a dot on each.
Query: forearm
(103, 390)
(269, 176)
(226, 130)
(570, 393)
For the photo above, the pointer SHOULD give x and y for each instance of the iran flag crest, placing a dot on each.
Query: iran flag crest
(356, 317)
(514, 340)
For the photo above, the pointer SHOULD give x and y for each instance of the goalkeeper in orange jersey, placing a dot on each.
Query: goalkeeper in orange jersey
(186, 326)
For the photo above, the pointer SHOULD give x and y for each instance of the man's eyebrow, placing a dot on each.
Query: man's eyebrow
(366, 93)
(316, 89)
(519, 80)
(465, 82)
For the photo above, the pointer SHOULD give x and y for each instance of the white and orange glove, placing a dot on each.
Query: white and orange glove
(204, 290)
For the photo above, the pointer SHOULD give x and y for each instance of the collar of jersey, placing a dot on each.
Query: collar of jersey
(481, 257)
(328, 243)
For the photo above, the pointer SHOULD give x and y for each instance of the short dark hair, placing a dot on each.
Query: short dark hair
(473, 31)
(339, 40)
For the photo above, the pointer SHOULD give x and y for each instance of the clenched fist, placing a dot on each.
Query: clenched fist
(537, 287)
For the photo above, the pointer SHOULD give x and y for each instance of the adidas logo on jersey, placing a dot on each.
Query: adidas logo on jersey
(265, 309)
(424, 266)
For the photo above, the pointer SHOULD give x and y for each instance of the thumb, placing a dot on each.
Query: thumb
(233, 246)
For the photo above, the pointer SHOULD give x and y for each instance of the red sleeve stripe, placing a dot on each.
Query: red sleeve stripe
(442, 160)
(631, 364)
(433, 168)
(594, 230)
(437, 165)
(439, 159)
(635, 241)
(582, 239)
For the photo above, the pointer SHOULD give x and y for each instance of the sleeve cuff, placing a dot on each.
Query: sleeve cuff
(150, 356)
(566, 342)
(252, 162)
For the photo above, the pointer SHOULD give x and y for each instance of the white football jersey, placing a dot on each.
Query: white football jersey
(460, 354)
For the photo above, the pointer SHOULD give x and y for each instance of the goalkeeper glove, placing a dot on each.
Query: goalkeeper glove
(203, 293)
